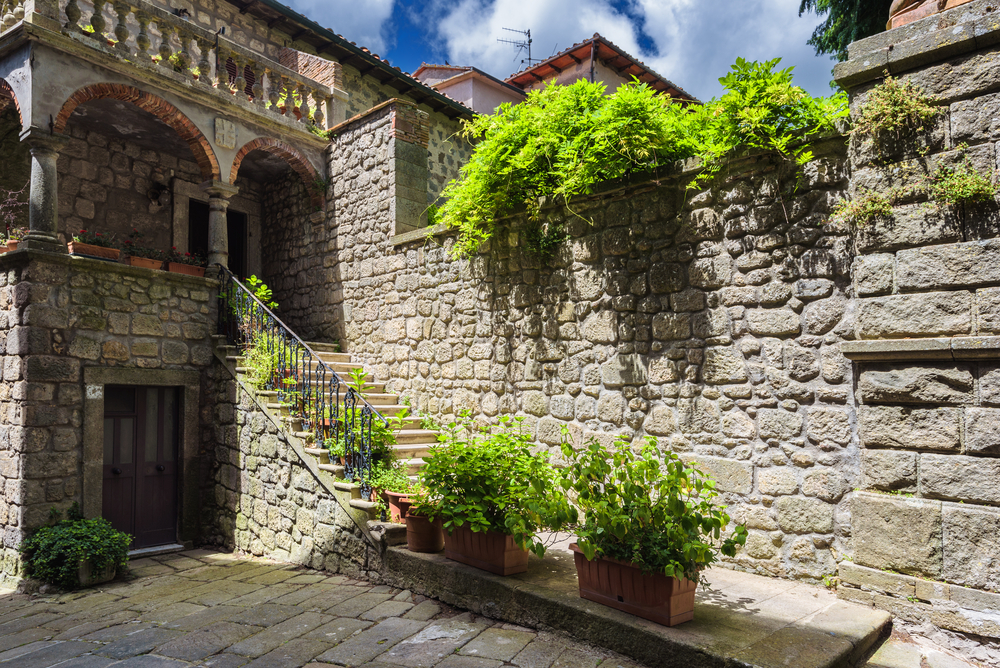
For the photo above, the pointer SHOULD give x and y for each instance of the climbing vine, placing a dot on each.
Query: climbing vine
(562, 140)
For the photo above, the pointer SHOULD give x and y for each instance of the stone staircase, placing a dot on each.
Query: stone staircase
(412, 442)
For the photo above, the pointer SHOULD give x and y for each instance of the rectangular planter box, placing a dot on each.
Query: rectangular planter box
(145, 262)
(490, 551)
(189, 269)
(89, 250)
(88, 578)
(620, 585)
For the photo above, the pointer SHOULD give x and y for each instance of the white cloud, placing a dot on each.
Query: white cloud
(695, 40)
(365, 22)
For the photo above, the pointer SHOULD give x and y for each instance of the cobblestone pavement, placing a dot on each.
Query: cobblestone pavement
(216, 610)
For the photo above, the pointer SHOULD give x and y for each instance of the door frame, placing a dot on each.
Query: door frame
(241, 202)
(94, 379)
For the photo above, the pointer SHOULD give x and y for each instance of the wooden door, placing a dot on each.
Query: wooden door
(140, 462)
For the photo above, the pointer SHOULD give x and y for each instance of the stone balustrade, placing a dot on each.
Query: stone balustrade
(11, 11)
(138, 30)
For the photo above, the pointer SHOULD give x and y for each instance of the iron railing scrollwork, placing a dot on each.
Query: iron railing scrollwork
(278, 360)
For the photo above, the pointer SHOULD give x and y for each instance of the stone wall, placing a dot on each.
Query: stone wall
(62, 316)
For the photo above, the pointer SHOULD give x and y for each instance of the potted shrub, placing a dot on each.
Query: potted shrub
(393, 488)
(95, 245)
(492, 494)
(14, 236)
(185, 263)
(648, 526)
(422, 533)
(142, 256)
(76, 552)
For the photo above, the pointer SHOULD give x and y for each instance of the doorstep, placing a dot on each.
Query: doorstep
(156, 551)
(743, 620)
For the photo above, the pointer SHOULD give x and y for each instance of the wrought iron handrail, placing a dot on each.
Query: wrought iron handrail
(281, 361)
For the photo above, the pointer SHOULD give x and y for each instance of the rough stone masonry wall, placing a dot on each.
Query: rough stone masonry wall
(711, 321)
(60, 315)
(927, 284)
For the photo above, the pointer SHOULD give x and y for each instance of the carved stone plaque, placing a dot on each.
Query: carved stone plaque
(225, 133)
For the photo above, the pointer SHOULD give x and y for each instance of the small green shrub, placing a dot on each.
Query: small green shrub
(646, 506)
(960, 184)
(53, 553)
(894, 108)
(868, 207)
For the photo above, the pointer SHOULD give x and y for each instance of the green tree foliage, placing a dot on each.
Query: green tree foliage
(846, 21)
(562, 140)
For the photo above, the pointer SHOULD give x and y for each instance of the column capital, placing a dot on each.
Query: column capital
(42, 138)
(220, 189)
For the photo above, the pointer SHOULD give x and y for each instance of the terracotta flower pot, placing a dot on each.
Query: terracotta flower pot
(90, 250)
(189, 269)
(491, 551)
(12, 244)
(623, 586)
(422, 535)
(399, 504)
(145, 262)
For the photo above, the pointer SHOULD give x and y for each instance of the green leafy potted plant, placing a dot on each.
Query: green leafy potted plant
(647, 529)
(76, 552)
(185, 263)
(493, 495)
(95, 245)
(14, 236)
(393, 488)
(142, 256)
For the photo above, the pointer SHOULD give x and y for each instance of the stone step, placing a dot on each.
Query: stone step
(406, 436)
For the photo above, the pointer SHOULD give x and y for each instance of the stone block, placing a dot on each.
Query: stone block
(661, 421)
(779, 424)
(926, 314)
(777, 481)
(672, 326)
(687, 300)
(989, 384)
(773, 322)
(888, 470)
(829, 425)
(823, 315)
(917, 384)
(797, 514)
(873, 274)
(801, 363)
(971, 537)
(960, 478)
(46, 368)
(988, 311)
(825, 483)
(667, 277)
(737, 424)
(601, 327)
(976, 121)
(624, 370)
(912, 225)
(910, 428)
(729, 475)
(724, 365)
(873, 579)
(711, 272)
(901, 534)
(947, 266)
(982, 431)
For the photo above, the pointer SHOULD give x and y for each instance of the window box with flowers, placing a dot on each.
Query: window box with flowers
(94, 245)
(142, 256)
(185, 263)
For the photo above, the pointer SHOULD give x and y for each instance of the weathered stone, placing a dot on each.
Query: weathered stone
(982, 431)
(888, 470)
(773, 322)
(724, 365)
(800, 362)
(698, 415)
(827, 484)
(946, 266)
(829, 425)
(687, 300)
(977, 120)
(873, 274)
(666, 277)
(960, 478)
(912, 225)
(988, 310)
(601, 327)
(910, 428)
(971, 539)
(737, 424)
(897, 533)
(989, 384)
(672, 326)
(916, 384)
(624, 370)
(729, 475)
(798, 514)
(760, 546)
(823, 315)
(711, 272)
(777, 481)
(929, 314)
(611, 408)
(700, 224)
(778, 424)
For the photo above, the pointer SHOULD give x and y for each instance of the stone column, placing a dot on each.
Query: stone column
(219, 193)
(43, 197)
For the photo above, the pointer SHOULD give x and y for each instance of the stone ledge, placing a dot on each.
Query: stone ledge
(744, 620)
(950, 348)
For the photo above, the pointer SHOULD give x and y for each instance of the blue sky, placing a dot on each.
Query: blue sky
(690, 42)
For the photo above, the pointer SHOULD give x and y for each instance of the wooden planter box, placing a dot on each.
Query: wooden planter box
(88, 578)
(490, 551)
(422, 535)
(620, 585)
(89, 250)
(189, 269)
(398, 504)
(145, 262)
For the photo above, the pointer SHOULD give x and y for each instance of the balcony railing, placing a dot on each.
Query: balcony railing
(11, 11)
(139, 30)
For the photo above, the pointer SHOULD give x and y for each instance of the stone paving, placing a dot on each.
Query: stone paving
(217, 610)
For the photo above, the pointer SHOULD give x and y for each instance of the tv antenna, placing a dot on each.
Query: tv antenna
(522, 45)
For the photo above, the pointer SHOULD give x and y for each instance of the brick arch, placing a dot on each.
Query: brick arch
(7, 91)
(163, 110)
(296, 160)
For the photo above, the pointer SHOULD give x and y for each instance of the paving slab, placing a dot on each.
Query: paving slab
(369, 644)
(292, 654)
(391, 608)
(140, 642)
(432, 644)
(51, 654)
(339, 630)
(277, 635)
(499, 644)
(742, 619)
